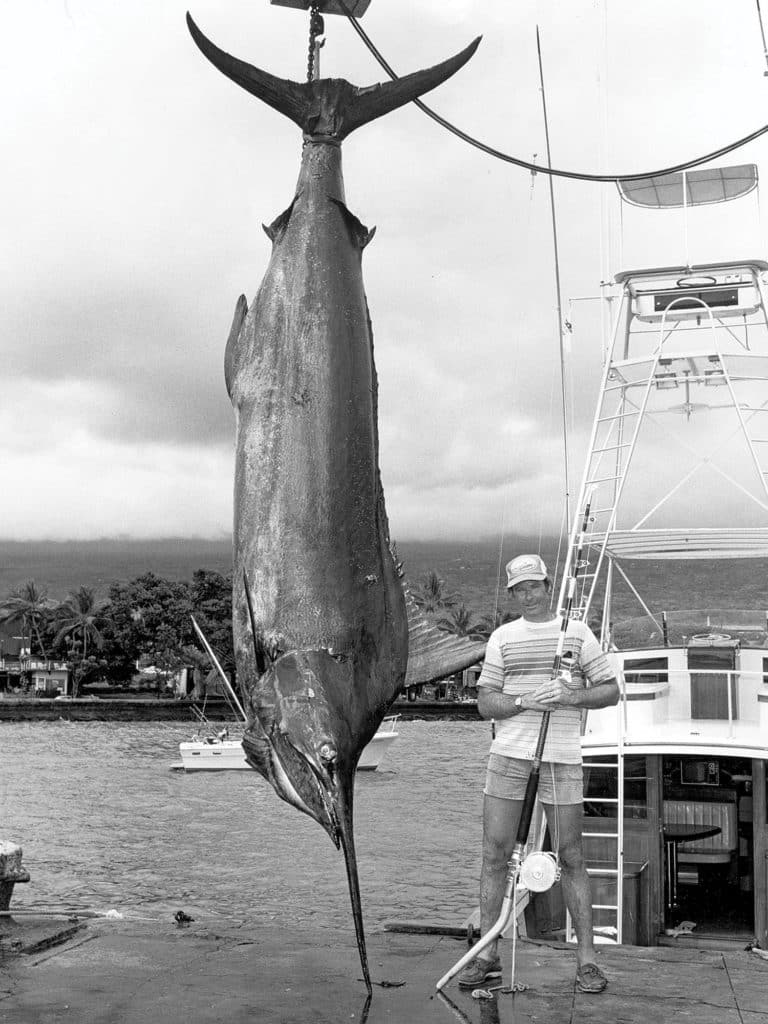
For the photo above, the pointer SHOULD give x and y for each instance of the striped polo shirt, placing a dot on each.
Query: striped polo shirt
(519, 657)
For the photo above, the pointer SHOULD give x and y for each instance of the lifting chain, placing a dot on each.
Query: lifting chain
(316, 28)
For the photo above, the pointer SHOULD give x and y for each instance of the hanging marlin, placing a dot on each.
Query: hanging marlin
(319, 618)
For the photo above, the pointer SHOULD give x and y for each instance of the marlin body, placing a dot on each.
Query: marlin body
(319, 616)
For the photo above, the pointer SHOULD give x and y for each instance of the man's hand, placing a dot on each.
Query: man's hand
(555, 693)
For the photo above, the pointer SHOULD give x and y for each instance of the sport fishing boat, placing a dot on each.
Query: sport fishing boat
(676, 477)
(216, 751)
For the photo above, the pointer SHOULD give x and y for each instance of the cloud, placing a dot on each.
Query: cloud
(132, 204)
(64, 481)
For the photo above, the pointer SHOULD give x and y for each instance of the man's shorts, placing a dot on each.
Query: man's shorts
(559, 784)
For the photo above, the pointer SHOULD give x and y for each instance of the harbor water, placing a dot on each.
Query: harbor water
(106, 825)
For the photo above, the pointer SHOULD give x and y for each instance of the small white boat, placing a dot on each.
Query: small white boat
(211, 754)
(219, 752)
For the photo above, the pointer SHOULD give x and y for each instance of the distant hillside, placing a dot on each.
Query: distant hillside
(469, 568)
(99, 563)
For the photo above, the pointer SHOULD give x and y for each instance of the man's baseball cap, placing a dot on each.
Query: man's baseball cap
(525, 567)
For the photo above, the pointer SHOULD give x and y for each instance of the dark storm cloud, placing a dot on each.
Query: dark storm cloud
(164, 378)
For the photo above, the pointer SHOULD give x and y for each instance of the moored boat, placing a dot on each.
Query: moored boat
(219, 752)
(375, 751)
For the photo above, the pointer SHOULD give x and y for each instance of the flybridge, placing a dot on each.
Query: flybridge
(673, 294)
(680, 435)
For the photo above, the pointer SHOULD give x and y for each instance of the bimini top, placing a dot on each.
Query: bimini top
(690, 188)
(687, 543)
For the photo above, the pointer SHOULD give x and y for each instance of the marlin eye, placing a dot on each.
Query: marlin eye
(328, 753)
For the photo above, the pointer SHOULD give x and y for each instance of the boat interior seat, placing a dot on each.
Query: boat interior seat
(718, 849)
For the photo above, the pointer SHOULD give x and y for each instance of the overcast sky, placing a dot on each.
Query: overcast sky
(136, 178)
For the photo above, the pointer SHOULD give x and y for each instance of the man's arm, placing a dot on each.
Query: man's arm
(495, 704)
(555, 693)
(550, 695)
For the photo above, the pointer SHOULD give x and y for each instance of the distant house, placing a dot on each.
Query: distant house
(469, 678)
(17, 665)
(51, 681)
(14, 651)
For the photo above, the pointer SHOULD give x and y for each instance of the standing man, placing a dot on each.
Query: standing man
(515, 688)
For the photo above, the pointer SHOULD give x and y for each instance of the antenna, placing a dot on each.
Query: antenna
(762, 34)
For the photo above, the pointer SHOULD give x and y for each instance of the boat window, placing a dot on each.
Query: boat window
(693, 299)
(646, 670)
(765, 670)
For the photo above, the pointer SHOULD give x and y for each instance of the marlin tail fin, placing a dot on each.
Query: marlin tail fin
(331, 106)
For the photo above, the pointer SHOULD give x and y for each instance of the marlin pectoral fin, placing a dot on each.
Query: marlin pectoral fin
(259, 648)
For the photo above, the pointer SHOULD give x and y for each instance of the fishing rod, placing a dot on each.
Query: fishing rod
(526, 813)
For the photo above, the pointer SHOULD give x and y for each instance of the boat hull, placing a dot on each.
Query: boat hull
(228, 755)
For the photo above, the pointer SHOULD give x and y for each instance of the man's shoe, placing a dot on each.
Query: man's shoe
(479, 971)
(589, 978)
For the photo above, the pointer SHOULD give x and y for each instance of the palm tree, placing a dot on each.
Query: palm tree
(460, 622)
(31, 607)
(78, 617)
(488, 623)
(431, 594)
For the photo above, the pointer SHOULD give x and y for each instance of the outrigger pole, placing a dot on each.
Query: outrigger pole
(219, 669)
(526, 813)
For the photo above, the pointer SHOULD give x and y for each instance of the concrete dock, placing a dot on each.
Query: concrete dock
(123, 972)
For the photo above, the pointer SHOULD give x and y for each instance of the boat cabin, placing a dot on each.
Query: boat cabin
(689, 738)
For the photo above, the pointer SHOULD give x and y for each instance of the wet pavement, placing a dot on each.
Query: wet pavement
(127, 972)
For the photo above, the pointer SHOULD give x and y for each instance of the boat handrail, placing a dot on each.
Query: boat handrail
(686, 670)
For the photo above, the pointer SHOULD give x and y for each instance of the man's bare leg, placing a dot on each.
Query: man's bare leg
(577, 891)
(500, 820)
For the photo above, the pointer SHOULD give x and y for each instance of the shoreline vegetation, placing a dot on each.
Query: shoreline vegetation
(127, 603)
(138, 638)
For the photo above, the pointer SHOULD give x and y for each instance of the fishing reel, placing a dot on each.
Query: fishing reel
(539, 871)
